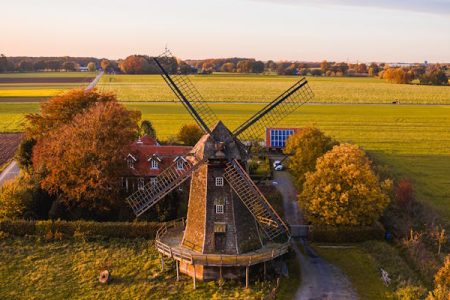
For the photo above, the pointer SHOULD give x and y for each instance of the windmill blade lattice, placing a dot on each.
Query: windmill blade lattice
(296, 96)
(141, 200)
(271, 223)
(186, 92)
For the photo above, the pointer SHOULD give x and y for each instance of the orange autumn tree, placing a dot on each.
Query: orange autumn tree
(61, 109)
(344, 190)
(81, 160)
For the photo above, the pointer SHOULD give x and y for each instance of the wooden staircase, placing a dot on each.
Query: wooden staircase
(141, 200)
(271, 223)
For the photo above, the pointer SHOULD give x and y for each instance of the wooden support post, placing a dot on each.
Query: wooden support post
(194, 278)
(162, 264)
(220, 272)
(246, 277)
(178, 269)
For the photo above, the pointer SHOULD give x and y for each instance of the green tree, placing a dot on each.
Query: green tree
(305, 147)
(91, 67)
(68, 66)
(24, 154)
(3, 63)
(148, 129)
(344, 190)
(25, 66)
(189, 134)
(82, 161)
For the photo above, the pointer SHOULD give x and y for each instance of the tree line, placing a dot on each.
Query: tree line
(430, 74)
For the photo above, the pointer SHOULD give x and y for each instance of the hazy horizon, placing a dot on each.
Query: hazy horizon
(339, 30)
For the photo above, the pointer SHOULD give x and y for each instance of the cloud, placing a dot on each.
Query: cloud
(439, 7)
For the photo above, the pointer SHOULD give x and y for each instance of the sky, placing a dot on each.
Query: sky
(314, 30)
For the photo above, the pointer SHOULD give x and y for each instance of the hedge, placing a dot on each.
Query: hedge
(66, 229)
(346, 234)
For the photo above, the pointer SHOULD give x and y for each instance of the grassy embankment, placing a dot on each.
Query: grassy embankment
(262, 88)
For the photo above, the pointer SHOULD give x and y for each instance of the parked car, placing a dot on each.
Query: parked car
(276, 163)
(279, 167)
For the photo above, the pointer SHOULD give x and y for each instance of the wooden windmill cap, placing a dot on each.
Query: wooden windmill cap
(220, 144)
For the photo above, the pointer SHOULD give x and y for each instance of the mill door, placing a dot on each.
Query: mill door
(219, 241)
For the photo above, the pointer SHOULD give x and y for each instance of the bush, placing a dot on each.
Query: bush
(346, 234)
(65, 229)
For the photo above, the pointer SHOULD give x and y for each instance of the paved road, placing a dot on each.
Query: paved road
(320, 279)
(11, 171)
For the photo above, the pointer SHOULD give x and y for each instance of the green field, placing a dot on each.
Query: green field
(263, 88)
(414, 140)
(34, 269)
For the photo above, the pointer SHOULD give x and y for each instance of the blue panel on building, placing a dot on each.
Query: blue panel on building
(278, 137)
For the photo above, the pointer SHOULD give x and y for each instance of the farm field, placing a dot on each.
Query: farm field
(264, 88)
(8, 146)
(414, 140)
(41, 85)
(35, 269)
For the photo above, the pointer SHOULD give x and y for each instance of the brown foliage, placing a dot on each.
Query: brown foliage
(404, 194)
(81, 160)
(61, 109)
(398, 75)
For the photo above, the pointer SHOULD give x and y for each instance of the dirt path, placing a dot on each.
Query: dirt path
(10, 172)
(320, 279)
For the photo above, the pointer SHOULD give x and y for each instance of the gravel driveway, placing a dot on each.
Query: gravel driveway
(320, 279)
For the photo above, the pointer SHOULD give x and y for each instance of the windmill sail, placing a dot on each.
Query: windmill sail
(271, 223)
(141, 200)
(189, 96)
(296, 96)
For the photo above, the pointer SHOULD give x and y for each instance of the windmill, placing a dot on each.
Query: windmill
(229, 224)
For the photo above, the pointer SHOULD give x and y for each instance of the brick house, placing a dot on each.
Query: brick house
(147, 159)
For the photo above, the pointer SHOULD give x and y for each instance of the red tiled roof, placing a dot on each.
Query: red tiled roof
(145, 148)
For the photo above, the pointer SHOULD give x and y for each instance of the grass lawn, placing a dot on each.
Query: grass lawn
(362, 264)
(361, 269)
(263, 88)
(414, 140)
(35, 269)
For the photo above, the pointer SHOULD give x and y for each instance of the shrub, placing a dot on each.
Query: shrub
(346, 234)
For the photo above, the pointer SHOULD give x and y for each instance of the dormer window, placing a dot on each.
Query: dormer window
(154, 164)
(131, 160)
(180, 164)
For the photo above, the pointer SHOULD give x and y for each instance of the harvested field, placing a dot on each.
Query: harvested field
(8, 146)
(45, 79)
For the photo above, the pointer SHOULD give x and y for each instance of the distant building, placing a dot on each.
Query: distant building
(147, 159)
(276, 137)
(83, 69)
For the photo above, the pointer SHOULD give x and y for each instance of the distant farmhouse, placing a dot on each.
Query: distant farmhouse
(147, 159)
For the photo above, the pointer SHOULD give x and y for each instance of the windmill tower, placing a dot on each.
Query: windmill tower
(230, 224)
